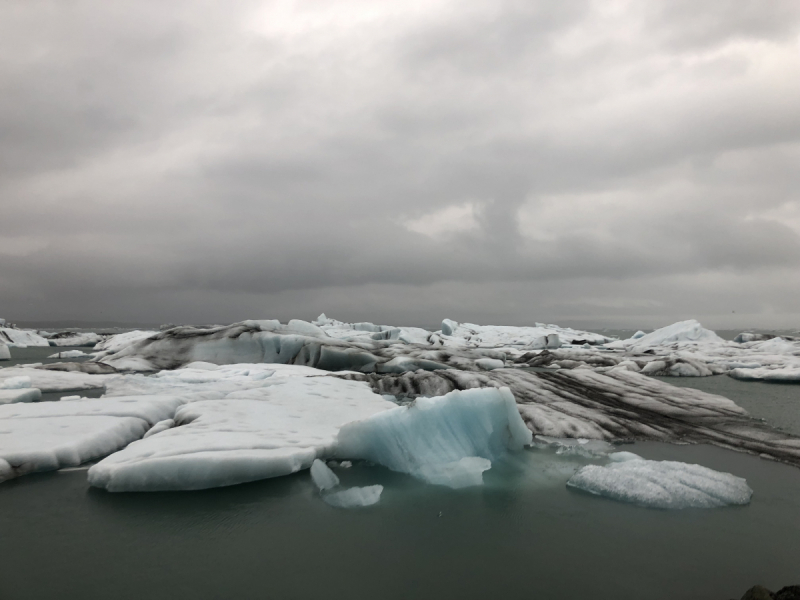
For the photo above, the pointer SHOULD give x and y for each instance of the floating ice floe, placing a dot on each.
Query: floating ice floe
(249, 434)
(50, 435)
(327, 481)
(68, 354)
(72, 338)
(55, 381)
(661, 484)
(784, 375)
(21, 338)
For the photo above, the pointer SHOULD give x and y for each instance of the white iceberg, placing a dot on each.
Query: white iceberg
(21, 337)
(68, 354)
(250, 434)
(51, 435)
(779, 375)
(5, 354)
(661, 484)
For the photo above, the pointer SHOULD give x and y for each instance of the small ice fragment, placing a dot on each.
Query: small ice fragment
(323, 477)
(68, 398)
(345, 464)
(354, 497)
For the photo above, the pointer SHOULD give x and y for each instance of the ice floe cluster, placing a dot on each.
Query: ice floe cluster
(195, 407)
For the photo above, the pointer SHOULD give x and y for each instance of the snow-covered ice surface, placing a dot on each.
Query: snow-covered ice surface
(448, 440)
(776, 375)
(265, 427)
(51, 435)
(49, 380)
(661, 484)
(10, 396)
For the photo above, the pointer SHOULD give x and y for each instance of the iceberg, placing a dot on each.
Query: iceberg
(249, 434)
(52, 435)
(784, 375)
(449, 440)
(661, 484)
(22, 338)
(49, 380)
(4, 352)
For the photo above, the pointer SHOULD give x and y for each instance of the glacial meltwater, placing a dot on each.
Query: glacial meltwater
(521, 535)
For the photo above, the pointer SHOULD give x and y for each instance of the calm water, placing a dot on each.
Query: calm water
(523, 535)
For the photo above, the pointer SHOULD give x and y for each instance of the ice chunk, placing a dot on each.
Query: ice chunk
(21, 338)
(4, 352)
(51, 435)
(68, 354)
(487, 364)
(55, 381)
(429, 438)
(44, 444)
(784, 375)
(20, 395)
(661, 484)
(323, 477)
(250, 434)
(354, 497)
(682, 331)
(15, 383)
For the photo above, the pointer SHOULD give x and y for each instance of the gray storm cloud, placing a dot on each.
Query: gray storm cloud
(604, 163)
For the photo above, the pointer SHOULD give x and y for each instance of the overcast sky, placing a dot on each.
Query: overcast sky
(606, 163)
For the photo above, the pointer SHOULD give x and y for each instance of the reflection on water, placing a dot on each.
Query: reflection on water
(523, 535)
